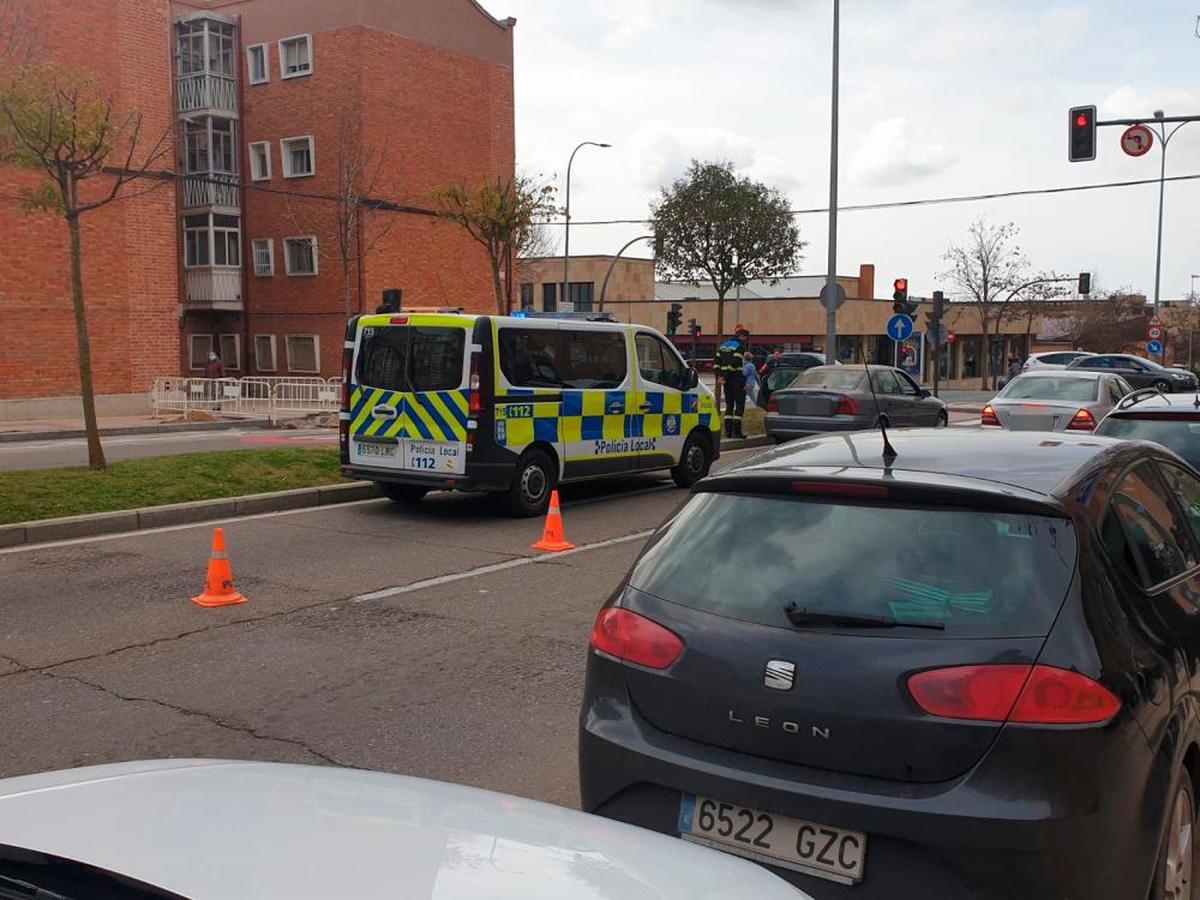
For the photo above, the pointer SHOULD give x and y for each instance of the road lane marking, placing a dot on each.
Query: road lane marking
(494, 567)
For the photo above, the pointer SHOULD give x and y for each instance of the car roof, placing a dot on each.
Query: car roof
(1086, 375)
(1034, 465)
(1150, 400)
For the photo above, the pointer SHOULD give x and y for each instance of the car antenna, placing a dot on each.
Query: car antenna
(889, 452)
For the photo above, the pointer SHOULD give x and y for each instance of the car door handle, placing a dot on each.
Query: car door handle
(384, 412)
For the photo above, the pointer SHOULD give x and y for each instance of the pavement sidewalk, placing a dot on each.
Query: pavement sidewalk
(50, 429)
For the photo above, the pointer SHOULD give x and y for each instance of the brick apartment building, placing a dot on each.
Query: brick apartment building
(268, 101)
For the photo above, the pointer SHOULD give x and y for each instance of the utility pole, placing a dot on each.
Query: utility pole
(831, 353)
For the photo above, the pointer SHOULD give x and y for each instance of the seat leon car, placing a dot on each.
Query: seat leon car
(967, 668)
(1053, 400)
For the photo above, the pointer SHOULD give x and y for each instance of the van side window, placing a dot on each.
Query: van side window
(541, 357)
(658, 364)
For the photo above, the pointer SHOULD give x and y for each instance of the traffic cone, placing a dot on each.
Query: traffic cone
(553, 540)
(218, 591)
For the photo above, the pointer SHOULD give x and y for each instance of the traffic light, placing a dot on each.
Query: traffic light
(693, 328)
(1085, 282)
(933, 318)
(674, 318)
(1082, 146)
(900, 296)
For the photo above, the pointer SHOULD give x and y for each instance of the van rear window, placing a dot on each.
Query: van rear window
(576, 359)
(980, 574)
(411, 358)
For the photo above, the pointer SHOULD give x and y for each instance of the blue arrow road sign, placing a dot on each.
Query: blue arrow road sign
(900, 327)
(1153, 347)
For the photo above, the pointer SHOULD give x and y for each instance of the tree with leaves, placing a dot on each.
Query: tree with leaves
(343, 220)
(713, 225)
(987, 271)
(55, 120)
(501, 215)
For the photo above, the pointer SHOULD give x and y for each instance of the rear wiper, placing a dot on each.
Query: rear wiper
(802, 615)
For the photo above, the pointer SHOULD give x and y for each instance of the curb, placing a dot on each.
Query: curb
(745, 443)
(11, 437)
(131, 520)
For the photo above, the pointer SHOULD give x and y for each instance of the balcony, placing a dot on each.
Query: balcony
(217, 189)
(206, 92)
(215, 289)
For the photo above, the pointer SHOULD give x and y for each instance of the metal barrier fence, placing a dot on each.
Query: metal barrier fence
(271, 397)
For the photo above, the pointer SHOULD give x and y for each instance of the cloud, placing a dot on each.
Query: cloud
(889, 155)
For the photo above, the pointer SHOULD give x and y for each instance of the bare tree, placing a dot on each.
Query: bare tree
(362, 176)
(1036, 298)
(986, 271)
(54, 119)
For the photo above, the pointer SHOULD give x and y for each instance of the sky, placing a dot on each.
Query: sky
(938, 98)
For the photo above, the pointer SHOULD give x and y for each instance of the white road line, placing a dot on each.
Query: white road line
(495, 567)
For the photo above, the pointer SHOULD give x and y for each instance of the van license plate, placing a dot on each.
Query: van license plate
(376, 451)
(832, 853)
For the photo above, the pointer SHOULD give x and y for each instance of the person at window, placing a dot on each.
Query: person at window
(729, 367)
(214, 370)
(750, 373)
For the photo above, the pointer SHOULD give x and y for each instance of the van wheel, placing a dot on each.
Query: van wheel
(693, 462)
(1176, 869)
(532, 483)
(403, 493)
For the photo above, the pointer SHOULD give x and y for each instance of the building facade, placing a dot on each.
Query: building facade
(279, 112)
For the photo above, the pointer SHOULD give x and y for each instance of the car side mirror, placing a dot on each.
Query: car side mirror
(922, 393)
(692, 379)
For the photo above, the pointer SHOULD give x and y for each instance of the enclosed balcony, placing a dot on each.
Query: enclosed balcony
(212, 262)
(210, 164)
(206, 71)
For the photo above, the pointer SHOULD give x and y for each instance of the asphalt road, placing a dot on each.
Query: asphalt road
(429, 641)
(51, 454)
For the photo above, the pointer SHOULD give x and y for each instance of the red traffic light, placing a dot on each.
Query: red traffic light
(1081, 120)
(900, 284)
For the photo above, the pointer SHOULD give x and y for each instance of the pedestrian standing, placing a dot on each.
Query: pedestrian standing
(750, 373)
(772, 361)
(214, 371)
(730, 369)
(1014, 369)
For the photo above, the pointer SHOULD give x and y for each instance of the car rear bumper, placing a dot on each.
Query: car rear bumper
(478, 477)
(1003, 829)
(787, 427)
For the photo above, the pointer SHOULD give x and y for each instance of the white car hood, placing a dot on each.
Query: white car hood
(220, 829)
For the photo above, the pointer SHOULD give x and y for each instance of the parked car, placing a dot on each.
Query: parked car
(1138, 372)
(967, 670)
(1172, 420)
(1055, 400)
(838, 398)
(789, 367)
(1057, 359)
(135, 830)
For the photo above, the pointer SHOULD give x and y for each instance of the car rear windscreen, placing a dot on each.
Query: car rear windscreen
(837, 379)
(411, 358)
(1180, 433)
(1044, 387)
(981, 574)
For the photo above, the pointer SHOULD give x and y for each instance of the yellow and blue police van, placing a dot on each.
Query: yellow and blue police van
(517, 405)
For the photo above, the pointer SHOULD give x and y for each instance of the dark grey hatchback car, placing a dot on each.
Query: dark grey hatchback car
(967, 671)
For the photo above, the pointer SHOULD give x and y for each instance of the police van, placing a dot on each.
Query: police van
(516, 405)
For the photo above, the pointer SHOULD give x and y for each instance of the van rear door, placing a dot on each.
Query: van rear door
(409, 397)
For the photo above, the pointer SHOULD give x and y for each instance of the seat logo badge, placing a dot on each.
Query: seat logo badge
(781, 675)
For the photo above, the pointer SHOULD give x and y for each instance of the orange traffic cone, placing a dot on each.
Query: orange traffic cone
(218, 591)
(553, 540)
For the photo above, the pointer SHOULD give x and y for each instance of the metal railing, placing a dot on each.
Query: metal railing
(257, 396)
(211, 189)
(207, 91)
(210, 287)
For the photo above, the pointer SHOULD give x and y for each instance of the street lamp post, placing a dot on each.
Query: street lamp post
(567, 230)
(1164, 138)
(831, 349)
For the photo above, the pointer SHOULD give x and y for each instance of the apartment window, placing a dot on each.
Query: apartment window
(222, 154)
(295, 56)
(300, 255)
(297, 154)
(195, 241)
(191, 48)
(580, 295)
(304, 353)
(527, 296)
(195, 140)
(549, 298)
(256, 56)
(205, 46)
(231, 350)
(264, 352)
(220, 48)
(227, 240)
(199, 346)
(260, 161)
(264, 257)
(208, 146)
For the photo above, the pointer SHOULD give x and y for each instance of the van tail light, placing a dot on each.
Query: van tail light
(634, 638)
(1082, 421)
(773, 405)
(476, 402)
(846, 406)
(1029, 695)
(344, 424)
(988, 416)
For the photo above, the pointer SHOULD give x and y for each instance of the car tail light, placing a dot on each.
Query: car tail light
(772, 405)
(634, 638)
(1032, 695)
(988, 416)
(846, 406)
(476, 401)
(1082, 421)
(841, 489)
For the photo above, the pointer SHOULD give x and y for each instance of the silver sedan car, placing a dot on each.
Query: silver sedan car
(1055, 400)
(838, 398)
